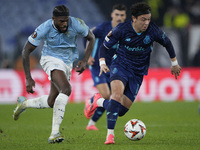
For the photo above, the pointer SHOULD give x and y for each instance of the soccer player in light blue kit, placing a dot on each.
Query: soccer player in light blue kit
(59, 52)
(102, 83)
(130, 64)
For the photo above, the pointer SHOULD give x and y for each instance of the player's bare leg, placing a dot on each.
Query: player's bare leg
(60, 86)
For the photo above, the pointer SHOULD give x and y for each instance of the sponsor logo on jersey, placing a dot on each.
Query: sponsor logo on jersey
(34, 35)
(134, 48)
(128, 39)
(147, 39)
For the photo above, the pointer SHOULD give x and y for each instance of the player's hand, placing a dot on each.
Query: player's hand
(103, 68)
(30, 83)
(176, 70)
(80, 67)
(91, 61)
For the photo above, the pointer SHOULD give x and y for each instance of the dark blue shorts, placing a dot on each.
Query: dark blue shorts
(104, 78)
(131, 81)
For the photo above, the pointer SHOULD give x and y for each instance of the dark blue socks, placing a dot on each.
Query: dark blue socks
(98, 113)
(114, 109)
(112, 113)
(122, 110)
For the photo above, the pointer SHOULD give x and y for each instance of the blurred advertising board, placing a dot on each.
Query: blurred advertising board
(159, 85)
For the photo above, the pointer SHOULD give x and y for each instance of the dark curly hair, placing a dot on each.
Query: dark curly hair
(140, 9)
(60, 10)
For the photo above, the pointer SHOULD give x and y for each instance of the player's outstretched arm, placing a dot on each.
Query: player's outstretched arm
(83, 63)
(175, 68)
(30, 83)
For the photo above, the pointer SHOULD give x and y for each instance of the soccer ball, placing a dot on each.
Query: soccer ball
(135, 129)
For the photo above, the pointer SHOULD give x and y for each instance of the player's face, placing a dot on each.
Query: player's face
(141, 23)
(61, 23)
(118, 16)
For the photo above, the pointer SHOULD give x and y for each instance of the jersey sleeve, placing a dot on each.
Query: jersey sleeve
(160, 36)
(39, 34)
(98, 31)
(165, 41)
(112, 37)
(81, 27)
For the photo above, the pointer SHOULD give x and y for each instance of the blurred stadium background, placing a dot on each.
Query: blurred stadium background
(180, 19)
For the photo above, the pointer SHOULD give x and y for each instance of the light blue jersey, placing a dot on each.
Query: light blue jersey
(60, 45)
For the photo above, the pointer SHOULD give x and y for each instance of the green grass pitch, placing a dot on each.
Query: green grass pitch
(170, 126)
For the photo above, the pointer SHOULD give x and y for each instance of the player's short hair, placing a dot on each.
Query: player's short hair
(60, 10)
(140, 9)
(119, 7)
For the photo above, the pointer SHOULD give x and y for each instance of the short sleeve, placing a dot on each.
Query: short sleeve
(39, 34)
(112, 37)
(81, 27)
(98, 31)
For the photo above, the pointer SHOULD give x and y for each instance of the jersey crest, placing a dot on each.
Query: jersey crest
(147, 39)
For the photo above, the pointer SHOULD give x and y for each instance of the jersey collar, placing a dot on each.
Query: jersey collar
(134, 29)
(54, 25)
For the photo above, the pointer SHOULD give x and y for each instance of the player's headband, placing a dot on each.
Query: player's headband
(56, 14)
(142, 13)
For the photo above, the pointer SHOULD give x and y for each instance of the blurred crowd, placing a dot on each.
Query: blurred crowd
(180, 19)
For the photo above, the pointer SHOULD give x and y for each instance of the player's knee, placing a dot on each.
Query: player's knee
(117, 97)
(106, 96)
(66, 90)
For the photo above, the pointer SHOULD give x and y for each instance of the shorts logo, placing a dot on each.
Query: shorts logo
(147, 39)
(96, 79)
(114, 70)
(34, 35)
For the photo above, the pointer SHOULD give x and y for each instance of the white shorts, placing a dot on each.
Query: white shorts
(50, 63)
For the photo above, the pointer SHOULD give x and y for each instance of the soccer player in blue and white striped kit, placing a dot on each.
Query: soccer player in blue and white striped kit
(130, 64)
(58, 54)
